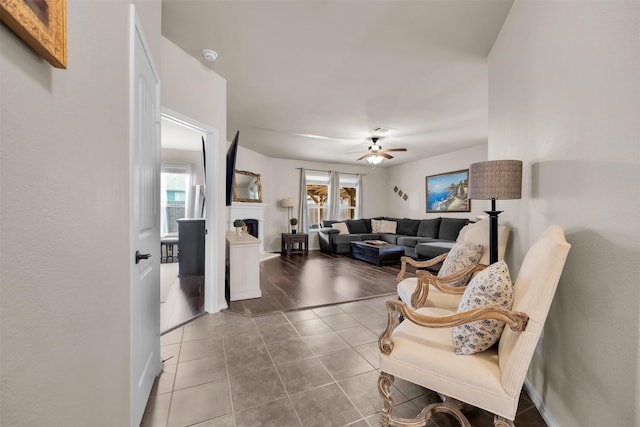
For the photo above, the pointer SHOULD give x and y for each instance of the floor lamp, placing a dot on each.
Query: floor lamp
(492, 180)
(289, 203)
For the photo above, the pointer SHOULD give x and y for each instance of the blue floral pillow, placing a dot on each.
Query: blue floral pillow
(461, 256)
(491, 287)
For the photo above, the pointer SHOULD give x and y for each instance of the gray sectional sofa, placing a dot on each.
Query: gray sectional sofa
(422, 238)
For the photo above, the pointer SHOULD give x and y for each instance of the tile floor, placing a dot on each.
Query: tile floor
(315, 367)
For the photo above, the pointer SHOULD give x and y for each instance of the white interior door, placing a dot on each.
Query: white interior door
(146, 361)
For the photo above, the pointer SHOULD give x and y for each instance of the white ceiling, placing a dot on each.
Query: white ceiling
(339, 69)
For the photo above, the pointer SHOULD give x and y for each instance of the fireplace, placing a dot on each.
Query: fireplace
(254, 211)
(253, 226)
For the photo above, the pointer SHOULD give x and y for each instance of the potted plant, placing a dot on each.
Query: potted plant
(293, 222)
(239, 225)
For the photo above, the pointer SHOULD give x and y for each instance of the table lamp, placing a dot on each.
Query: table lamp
(289, 203)
(492, 180)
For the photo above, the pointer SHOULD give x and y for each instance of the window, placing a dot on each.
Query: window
(175, 182)
(318, 203)
(317, 198)
(348, 196)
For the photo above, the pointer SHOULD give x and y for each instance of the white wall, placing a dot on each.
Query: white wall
(564, 96)
(64, 264)
(411, 179)
(193, 90)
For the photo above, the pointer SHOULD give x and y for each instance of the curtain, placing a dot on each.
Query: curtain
(334, 195)
(303, 221)
(359, 196)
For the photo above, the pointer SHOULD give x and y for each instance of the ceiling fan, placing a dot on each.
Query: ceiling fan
(376, 154)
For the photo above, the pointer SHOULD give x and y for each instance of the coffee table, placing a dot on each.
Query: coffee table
(378, 254)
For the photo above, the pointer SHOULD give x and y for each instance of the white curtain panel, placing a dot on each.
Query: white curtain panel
(334, 195)
(303, 223)
(359, 196)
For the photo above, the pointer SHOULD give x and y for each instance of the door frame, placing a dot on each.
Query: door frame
(214, 300)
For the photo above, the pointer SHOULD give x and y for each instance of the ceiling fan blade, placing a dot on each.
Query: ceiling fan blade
(385, 155)
(366, 155)
(394, 149)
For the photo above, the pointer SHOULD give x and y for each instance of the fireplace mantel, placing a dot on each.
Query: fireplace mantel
(241, 210)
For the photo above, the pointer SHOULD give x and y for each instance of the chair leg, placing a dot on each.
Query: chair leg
(447, 406)
(499, 421)
(384, 385)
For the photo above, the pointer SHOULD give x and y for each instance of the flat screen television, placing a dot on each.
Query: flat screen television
(231, 167)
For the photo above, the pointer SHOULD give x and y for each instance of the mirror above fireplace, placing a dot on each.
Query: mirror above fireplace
(247, 187)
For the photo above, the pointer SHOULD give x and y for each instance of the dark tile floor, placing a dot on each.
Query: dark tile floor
(315, 367)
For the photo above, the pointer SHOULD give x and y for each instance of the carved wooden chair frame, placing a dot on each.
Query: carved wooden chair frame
(517, 321)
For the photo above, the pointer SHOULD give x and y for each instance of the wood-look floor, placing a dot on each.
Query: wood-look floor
(316, 279)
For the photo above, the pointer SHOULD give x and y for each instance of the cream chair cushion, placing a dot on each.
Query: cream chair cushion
(436, 298)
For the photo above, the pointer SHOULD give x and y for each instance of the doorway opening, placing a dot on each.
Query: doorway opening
(182, 189)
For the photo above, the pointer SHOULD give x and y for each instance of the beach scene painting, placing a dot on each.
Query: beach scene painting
(448, 192)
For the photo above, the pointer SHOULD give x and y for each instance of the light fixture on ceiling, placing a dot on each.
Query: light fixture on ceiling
(210, 55)
(374, 160)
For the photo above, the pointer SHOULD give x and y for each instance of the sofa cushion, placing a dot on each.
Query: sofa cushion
(345, 239)
(376, 224)
(461, 256)
(341, 226)
(406, 240)
(450, 228)
(430, 250)
(408, 227)
(491, 287)
(429, 227)
(388, 227)
(389, 238)
(357, 226)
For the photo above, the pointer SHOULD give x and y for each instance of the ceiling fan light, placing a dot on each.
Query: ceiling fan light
(374, 160)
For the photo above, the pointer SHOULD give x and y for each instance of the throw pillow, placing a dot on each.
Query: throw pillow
(429, 227)
(388, 226)
(356, 226)
(376, 224)
(340, 226)
(450, 228)
(408, 227)
(491, 287)
(462, 255)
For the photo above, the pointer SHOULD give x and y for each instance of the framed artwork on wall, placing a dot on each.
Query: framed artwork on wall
(448, 192)
(42, 24)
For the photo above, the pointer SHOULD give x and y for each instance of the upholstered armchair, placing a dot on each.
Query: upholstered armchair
(439, 349)
(468, 256)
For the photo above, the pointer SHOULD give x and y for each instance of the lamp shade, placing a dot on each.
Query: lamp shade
(289, 203)
(495, 179)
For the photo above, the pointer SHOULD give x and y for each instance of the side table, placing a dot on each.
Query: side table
(289, 241)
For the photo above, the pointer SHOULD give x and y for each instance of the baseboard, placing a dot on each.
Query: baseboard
(539, 404)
